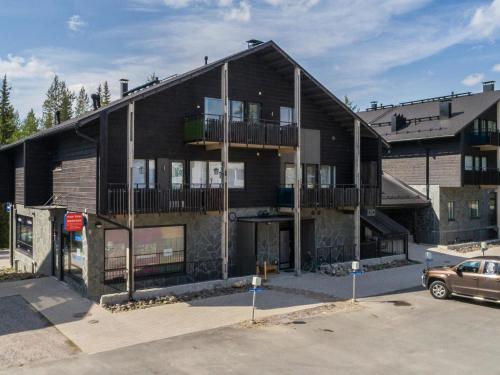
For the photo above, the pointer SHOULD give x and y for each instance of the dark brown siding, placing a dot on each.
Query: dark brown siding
(407, 161)
(37, 173)
(74, 183)
(6, 177)
(19, 175)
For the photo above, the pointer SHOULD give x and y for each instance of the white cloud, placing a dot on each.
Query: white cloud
(486, 20)
(76, 23)
(473, 79)
(496, 68)
(241, 13)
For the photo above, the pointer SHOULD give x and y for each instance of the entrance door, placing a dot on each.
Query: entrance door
(286, 259)
(71, 254)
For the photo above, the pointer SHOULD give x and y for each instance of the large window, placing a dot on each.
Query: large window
(237, 109)
(177, 174)
(286, 116)
(214, 110)
(24, 233)
(327, 176)
(211, 172)
(469, 163)
(474, 209)
(158, 251)
(451, 211)
(144, 173)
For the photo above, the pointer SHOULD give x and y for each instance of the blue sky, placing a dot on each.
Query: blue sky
(385, 50)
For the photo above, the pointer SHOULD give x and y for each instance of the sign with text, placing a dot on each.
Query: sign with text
(73, 222)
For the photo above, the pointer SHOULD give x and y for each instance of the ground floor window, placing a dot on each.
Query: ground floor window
(158, 251)
(451, 211)
(474, 209)
(24, 233)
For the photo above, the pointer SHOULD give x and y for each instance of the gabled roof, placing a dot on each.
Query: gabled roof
(396, 193)
(269, 52)
(427, 124)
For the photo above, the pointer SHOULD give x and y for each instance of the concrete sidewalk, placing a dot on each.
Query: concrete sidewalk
(371, 283)
(94, 329)
(4, 258)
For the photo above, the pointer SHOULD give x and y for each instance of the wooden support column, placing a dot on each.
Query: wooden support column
(224, 163)
(357, 182)
(298, 174)
(131, 205)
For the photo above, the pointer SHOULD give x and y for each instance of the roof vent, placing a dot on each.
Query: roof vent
(444, 109)
(253, 43)
(398, 122)
(488, 86)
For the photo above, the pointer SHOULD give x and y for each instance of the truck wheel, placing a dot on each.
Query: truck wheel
(439, 290)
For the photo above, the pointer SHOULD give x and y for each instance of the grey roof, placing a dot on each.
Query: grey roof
(384, 224)
(464, 110)
(269, 51)
(396, 193)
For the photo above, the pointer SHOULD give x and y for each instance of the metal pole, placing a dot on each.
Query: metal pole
(354, 287)
(357, 182)
(12, 234)
(298, 173)
(224, 164)
(253, 306)
(131, 206)
(498, 166)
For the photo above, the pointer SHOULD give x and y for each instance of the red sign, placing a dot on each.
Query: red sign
(73, 222)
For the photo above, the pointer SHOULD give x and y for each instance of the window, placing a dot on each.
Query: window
(24, 233)
(237, 110)
(484, 126)
(471, 266)
(286, 116)
(477, 163)
(469, 163)
(311, 176)
(213, 108)
(198, 174)
(451, 211)
(476, 126)
(492, 126)
(76, 257)
(491, 268)
(115, 254)
(254, 112)
(215, 174)
(484, 163)
(144, 173)
(177, 174)
(236, 175)
(289, 175)
(474, 209)
(327, 176)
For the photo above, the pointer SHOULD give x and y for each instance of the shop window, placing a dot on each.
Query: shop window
(24, 233)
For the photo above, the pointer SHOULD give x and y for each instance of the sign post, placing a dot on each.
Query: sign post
(256, 282)
(428, 259)
(356, 270)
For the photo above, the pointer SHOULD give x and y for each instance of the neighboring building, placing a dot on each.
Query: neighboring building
(446, 148)
(166, 139)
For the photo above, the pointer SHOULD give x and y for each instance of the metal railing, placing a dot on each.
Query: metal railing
(475, 138)
(482, 177)
(339, 196)
(158, 200)
(243, 131)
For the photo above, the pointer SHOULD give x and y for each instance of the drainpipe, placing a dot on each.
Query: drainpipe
(427, 177)
(12, 234)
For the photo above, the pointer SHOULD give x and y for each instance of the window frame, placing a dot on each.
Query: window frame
(470, 261)
(21, 245)
(315, 175)
(292, 116)
(451, 206)
(472, 210)
(147, 183)
(208, 184)
(333, 178)
(182, 162)
(469, 167)
(244, 176)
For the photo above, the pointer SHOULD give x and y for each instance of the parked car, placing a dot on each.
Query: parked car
(477, 278)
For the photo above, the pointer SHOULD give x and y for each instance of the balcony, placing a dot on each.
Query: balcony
(339, 197)
(485, 140)
(487, 177)
(247, 133)
(158, 200)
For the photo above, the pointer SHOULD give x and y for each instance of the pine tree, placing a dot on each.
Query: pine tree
(106, 95)
(7, 114)
(82, 102)
(29, 125)
(59, 98)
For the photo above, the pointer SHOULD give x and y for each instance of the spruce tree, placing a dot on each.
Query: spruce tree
(106, 95)
(59, 98)
(29, 125)
(82, 102)
(7, 114)
(66, 102)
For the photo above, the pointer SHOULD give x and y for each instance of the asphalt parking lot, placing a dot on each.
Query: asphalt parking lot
(400, 333)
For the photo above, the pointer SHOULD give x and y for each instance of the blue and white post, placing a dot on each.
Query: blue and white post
(355, 271)
(256, 283)
(428, 259)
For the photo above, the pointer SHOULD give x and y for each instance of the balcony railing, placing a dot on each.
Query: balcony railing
(159, 200)
(242, 132)
(489, 138)
(340, 196)
(482, 177)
